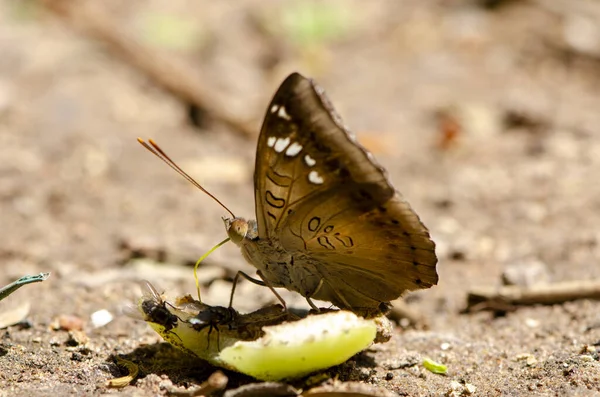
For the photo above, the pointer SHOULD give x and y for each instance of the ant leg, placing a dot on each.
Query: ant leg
(218, 339)
(210, 328)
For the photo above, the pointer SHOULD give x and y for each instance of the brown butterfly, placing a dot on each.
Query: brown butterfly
(329, 225)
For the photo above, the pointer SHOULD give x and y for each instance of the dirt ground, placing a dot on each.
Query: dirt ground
(485, 114)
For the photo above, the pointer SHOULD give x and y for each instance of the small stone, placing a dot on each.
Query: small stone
(14, 315)
(363, 373)
(455, 385)
(384, 329)
(76, 338)
(389, 376)
(531, 361)
(455, 389)
(582, 34)
(100, 318)
(531, 323)
(68, 322)
(469, 389)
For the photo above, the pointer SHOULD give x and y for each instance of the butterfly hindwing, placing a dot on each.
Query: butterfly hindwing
(381, 253)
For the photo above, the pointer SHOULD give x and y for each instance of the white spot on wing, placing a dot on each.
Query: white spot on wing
(283, 114)
(281, 144)
(271, 141)
(293, 149)
(315, 178)
(370, 157)
(309, 160)
(274, 108)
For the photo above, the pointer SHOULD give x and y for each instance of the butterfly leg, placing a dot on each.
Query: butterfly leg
(235, 280)
(312, 305)
(346, 305)
(310, 302)
(259, 273)
(262, 283)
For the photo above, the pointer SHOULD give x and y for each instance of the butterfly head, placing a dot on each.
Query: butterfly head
(237, 229)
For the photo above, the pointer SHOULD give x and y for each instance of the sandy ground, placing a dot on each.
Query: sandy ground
(486, 119)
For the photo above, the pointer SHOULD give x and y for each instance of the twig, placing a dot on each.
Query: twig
(545, 294)
(175, 77)
(132, 372)
(215, 382)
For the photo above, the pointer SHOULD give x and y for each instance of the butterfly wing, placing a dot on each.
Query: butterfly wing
(300, 142)
(363, 257)
(325, 199)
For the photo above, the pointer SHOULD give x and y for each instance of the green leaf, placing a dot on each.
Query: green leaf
(435, 367)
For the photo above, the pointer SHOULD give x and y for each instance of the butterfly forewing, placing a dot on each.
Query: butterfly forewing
(303, 150)
(323, 199)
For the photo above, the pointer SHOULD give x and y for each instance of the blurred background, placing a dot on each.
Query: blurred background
(484, 113)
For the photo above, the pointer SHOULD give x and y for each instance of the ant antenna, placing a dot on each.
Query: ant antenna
(158, 152)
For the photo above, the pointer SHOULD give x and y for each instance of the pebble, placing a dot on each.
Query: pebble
(68, 322)
(101, 317)
(77, 338)
(469, 389)
(529, 359)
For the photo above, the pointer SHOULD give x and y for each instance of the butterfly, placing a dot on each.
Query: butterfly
(329, 224)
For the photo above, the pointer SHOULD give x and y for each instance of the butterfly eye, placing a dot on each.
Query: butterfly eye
(237, 230)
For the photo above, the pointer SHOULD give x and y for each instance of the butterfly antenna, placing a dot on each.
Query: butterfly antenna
(210, 251)
(152, 147)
